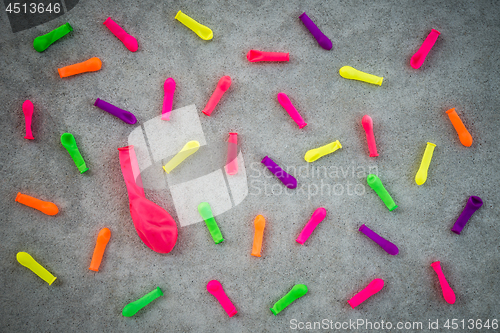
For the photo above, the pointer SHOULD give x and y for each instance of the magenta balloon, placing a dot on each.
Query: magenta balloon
(156, 228)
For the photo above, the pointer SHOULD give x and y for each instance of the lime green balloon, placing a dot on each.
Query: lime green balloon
(132, 308)
(69, 142)
(206, 213)
(376, 185)
(41, 43)
(297, 291)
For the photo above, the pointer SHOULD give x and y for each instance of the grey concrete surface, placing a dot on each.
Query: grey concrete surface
(378, 37)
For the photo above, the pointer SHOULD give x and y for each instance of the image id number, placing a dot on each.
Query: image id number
(470, 324)
(33, 8)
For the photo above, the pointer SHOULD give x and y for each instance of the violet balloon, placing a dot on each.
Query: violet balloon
(320, 37)
(473, 204)
(285, 178)
(124, 115)
(384, 243)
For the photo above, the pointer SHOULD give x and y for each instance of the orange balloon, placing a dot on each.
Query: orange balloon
(100, 246)
(91, 65)
(260, 224)
(45, 207)
(463, 134)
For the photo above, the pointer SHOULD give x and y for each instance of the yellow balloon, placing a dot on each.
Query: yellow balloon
(314, 154)
(421, 175)
(348, 72)
(189, 149)
(202, 31)
(27, 261)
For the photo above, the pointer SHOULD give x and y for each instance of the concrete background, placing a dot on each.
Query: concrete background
(461, 71)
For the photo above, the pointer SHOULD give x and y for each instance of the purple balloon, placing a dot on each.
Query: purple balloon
(323, 41)
(472, 205)
(126, 116)
(285, 178)
(384, 243)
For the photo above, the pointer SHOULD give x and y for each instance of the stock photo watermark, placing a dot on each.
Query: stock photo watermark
(367, 325)
(316, 180)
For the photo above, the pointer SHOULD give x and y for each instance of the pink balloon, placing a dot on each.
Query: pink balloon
(448, 294)
(28, 114)
(418, 58)
(318, 216)
(169, 89)
(371, 289)
(215, 288)
(129, 41)
(156, 228)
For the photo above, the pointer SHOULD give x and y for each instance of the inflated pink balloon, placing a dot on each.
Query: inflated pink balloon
(156, 228)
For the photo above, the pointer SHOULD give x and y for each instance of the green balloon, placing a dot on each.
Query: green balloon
(132, 308)
(41, 43)
(376, 185)
(297, 291)
(69, 142)
(206, 213)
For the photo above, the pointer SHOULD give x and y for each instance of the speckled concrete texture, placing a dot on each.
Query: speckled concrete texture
(408, 110)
